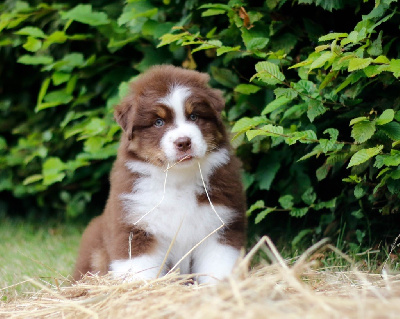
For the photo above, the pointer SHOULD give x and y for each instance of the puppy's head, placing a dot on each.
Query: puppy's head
(171, 115)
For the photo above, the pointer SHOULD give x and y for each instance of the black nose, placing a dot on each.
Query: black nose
(183, 144)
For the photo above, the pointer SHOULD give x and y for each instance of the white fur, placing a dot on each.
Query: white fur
(214, 261)
(182, 126)
(178, 214)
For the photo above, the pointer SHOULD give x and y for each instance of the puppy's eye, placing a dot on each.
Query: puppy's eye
(193, 117)
(159, 122)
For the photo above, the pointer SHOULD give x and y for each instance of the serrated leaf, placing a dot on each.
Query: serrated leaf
(359, 191)
(299, 212)
(322, 172)
(225, 49)
(286, 201)
(257, 205)
(395, 67)
(363, 131)
(272, 106)
(309, 196)
(320, 61)
(261, 215)
(225, 77)
(392, 130)
(315, 109)
(247, 89)
(364, 155)
(83, 13)
(268, 72)
(266, 130)
(358, 119)
(358, 64)
(386, 117)
(247, 123)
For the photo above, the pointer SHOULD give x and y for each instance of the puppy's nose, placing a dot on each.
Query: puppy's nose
(183, 144)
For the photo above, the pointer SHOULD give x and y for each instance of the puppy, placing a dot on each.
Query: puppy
(158, 209)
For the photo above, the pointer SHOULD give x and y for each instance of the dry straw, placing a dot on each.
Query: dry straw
(269, 290)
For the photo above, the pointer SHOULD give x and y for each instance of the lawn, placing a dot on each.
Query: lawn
(36, 251)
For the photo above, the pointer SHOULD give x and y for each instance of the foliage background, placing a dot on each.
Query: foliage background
(311, 88)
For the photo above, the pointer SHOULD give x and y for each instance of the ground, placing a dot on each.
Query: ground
(277, 288)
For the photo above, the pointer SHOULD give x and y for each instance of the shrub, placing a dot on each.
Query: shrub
(311, 88)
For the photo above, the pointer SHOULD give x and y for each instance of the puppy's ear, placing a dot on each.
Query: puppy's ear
(122, 115)
(217, 100)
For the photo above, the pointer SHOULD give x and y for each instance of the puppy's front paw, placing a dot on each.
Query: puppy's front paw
(136, 269)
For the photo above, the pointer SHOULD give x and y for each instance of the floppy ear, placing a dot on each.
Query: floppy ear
(216, 99)
(123, 116)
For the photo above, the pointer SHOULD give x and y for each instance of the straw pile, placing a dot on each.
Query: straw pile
(267, 291)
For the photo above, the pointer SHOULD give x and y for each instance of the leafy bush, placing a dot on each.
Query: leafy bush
(311, 87)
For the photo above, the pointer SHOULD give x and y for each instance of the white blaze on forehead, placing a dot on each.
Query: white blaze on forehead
(176, 99)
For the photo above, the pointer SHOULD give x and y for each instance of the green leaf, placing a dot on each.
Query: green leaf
(261, 215)
(212, 12)
(31, 31)
(299, 212)
(332, 36)
(32, 44)
(363, 131)
(225, 77)
(272, 106)
(257, 205)
(395, 67)
(328, 204)
(83, 13)
(386, 117)
(359, 191)
(359, 63)
(267, 170)
(35, 59)
(225, 49)
(392, 130)
(247, 123)
(315, 109)
(32, 179)
(247, 89)
(309, 196)
(286, 201)
(266, 130)
(269, 73)
(364, 155)
(322, 59)
(52, 171)
(358, 119)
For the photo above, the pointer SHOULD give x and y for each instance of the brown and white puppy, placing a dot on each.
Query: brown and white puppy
(170, 116)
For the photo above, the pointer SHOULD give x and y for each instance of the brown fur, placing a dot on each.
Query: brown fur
(107, 236)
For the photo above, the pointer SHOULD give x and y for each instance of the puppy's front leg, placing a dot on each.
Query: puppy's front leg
(214, 261)
(139, 268)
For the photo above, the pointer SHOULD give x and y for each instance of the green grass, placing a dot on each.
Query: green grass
(43, 252)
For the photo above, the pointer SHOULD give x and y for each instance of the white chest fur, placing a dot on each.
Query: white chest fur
(167, 206)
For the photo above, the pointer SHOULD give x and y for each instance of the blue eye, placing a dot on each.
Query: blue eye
(193, 117)
(159, 122)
